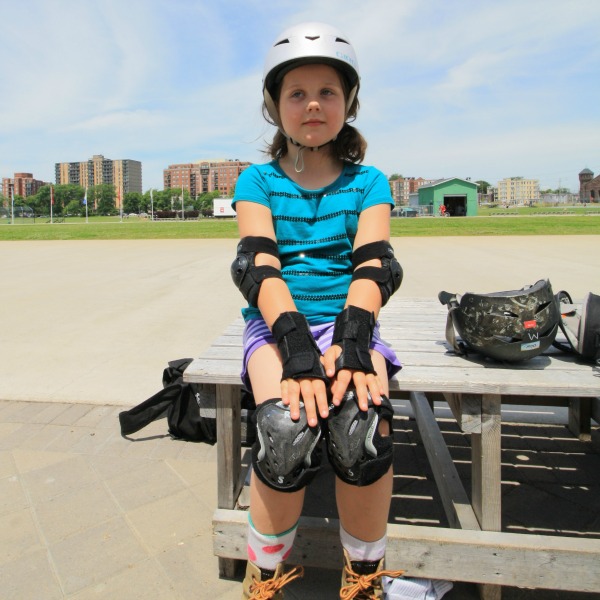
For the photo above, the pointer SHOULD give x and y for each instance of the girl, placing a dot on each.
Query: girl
(315, 264)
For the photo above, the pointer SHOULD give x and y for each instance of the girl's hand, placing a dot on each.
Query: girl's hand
(310, 391)
(363, 383)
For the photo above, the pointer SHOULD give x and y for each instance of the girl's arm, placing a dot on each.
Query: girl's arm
(273, 300)
(373, 226)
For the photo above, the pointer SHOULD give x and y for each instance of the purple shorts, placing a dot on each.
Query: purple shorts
(257, 334)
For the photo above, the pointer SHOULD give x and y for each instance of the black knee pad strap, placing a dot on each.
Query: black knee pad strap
(358, 453)
(287, 454)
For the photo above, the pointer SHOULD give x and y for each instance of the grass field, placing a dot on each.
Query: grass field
(133, 228)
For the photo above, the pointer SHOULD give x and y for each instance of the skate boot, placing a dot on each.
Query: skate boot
(362, 580)
(266, 585)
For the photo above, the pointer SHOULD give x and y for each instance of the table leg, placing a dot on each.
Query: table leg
(486, 465)
(228, 457)
(580, 414)
(486, 475)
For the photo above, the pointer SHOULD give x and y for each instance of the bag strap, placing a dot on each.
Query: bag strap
(563, 297)
(139, 416)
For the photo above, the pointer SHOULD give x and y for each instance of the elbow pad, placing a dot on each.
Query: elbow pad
(244, 272)
(388, 277)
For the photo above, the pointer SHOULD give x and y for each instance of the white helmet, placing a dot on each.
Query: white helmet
(304, 44)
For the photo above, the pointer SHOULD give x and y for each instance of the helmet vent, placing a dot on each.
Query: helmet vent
(286, 41)
(542, 307)
(502, 314)
(312, 38)
(341, 40)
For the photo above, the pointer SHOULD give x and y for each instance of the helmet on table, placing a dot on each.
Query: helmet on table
(507, 326)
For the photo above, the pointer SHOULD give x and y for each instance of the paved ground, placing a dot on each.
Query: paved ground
(87, 329)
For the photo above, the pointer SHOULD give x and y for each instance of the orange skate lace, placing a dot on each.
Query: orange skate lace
(265, 590)
(361, 586)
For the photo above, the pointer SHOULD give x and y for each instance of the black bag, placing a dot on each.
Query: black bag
(581, 326)
(189, 415)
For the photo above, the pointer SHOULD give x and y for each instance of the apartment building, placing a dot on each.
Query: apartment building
(23, 184)
(403, 187)
(124, 174)
(517, 190)
(204, 176)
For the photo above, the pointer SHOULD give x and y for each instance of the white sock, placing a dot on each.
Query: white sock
(359, 550)
(267, 551)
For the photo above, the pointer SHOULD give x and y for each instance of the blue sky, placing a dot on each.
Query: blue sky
(485, 89)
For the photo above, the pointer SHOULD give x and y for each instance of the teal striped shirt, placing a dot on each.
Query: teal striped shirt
(315, 231)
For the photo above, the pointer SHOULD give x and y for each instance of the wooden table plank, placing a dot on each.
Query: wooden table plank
(494, 558)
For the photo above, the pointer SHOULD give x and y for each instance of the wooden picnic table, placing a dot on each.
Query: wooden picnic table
(473, 549)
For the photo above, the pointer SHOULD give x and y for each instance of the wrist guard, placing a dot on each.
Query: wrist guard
(353, 331)
(300, 354)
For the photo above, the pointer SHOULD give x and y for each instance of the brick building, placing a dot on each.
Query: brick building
(589, 186)
(403, 187)
(204, 176)
(24, 185)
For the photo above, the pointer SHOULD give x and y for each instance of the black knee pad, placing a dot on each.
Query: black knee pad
(358, 453)
(287, 454)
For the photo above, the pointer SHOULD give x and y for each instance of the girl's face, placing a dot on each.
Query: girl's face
(312, 106)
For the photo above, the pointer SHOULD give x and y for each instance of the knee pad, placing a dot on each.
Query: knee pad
(358, 453)
(286, 454)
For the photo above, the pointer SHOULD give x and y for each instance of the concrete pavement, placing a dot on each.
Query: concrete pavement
(97, 321)
(88, 327)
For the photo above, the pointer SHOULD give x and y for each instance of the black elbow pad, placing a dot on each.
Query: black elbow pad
(245, 274)
(388, 277)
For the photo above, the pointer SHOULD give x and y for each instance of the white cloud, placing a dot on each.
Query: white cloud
(480, 89)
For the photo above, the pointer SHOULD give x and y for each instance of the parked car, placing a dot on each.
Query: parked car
(408, 212)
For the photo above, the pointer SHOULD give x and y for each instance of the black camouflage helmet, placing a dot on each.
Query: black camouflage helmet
(507, 326)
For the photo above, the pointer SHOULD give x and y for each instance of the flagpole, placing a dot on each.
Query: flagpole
(86, 205)
(12, 210)
(151, 206)
(51, 202)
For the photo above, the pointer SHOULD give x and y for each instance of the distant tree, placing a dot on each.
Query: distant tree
(40, 202)
(64, 194)
(482, 186)
(132, 202)
(394, 176)
(204, 203)
(75, 207)
(101, 199)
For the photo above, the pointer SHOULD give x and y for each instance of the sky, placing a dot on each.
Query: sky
(480, 89)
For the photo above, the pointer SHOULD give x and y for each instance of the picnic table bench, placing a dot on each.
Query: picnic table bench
(473, 548)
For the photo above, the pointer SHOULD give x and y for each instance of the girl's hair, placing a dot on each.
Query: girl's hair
(349, 145)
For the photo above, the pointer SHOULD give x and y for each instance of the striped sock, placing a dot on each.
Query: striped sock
(267, 551)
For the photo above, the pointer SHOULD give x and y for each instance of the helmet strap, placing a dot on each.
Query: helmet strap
(299, 161)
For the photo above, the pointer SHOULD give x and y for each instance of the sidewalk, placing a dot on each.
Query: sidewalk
(88, 328)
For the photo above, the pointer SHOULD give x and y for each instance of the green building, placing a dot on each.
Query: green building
(458, 196)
